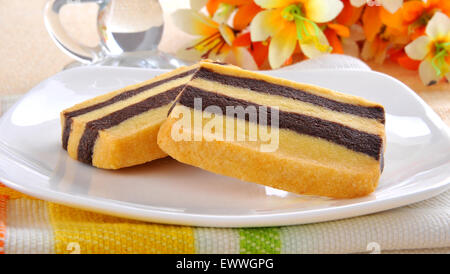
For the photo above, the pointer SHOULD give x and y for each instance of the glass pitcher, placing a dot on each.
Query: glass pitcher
(129, 30)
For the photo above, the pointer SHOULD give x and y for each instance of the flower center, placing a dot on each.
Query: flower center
(421, 21)
(438, 61)
(290, 12)
(307, 30)
(214, 42)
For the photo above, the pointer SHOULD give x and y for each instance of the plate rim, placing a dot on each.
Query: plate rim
(126, 210)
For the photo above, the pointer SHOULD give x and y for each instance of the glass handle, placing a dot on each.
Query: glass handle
(62, 39)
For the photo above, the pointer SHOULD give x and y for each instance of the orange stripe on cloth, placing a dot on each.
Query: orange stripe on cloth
(3, 204)
(4, 190)
(87, 232)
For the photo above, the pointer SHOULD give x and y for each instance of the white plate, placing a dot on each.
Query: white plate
(417, 160)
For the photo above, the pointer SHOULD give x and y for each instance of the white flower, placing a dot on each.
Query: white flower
(433, 49)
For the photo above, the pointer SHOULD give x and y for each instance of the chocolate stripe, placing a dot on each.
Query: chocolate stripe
(90, 134)
(258, 85)
(122, 96)
(66, 132)
(353, 139)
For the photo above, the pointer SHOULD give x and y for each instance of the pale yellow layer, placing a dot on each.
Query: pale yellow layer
(302, 164)
(130, 126)
(132, 142)
(327, 93)
(290, 105)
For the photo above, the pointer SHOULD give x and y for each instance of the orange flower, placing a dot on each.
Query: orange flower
(334, 32)
(372, 23)
(259, 50)
(399, 56)
(246, 10)
(341, 33)
(416, 14)
(376, 19)
(383, 28)
(349, 14)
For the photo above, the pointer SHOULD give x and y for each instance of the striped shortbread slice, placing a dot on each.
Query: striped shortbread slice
(291, 136)
(119, 129)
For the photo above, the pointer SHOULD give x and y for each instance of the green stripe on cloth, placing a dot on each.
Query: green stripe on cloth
(260, 240)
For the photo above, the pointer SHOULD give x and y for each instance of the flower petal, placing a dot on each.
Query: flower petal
(375, 50)
(334, 41)
(393, 20)
(357, 33)
(340, 30)
(227, 34)
(215, 49)
(282, 46)
(242, 40)
(272, 4)
(265, 24)
(427, 73)
(368, 50)
(194, 23)
(260, 51)
(244, 15)
(350, 47)
(237, 2)
(407, 62)
(349, 14)
(321, 11)
(224, 52)
(212, 6)
(412, 10)
(438, 26)
(392, 5)
(419, 48)
(310, 49)
(444, 6)
(372, 22)
(242, 58)
(222, 13)
(191, 54)
(358, 3)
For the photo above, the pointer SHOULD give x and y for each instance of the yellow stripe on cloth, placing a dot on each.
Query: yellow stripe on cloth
(87, 232)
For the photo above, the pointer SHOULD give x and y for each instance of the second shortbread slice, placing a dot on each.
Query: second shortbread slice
(322, 142)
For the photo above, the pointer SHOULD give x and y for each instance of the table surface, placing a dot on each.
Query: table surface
(29, 55)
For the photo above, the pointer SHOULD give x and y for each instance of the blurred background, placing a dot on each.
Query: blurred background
(28, 55)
